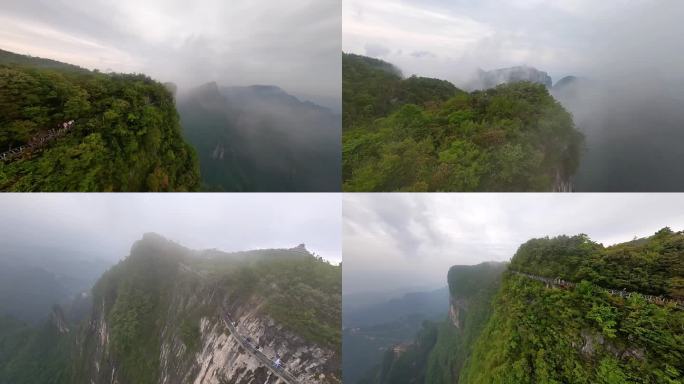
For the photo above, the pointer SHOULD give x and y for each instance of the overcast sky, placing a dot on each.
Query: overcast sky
(450, 39)
(294, 44)
(106, 225)
(396, 240)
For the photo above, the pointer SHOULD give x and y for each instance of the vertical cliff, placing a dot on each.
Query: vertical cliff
(160, 317)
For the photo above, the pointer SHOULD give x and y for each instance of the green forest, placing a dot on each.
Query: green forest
(126, 134)
(421, 134)
(514, 329)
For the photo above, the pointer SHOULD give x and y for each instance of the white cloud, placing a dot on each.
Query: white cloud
(391, 241)
(295, 44)
(106, 225)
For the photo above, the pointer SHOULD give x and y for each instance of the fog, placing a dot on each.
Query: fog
(104, 226)
(401, 242)
(295, 44)
(629, 54)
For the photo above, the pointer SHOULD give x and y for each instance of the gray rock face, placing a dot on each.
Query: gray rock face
(490, 79)
(219, 357)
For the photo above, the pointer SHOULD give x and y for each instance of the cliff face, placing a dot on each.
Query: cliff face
(187, 340)
(577, 312)
(471, 291)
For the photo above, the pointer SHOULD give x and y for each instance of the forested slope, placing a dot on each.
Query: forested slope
(157, 316)
(541, 333)
(420, 134)
(126, 134)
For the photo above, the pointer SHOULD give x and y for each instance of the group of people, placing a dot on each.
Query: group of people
(660, 300)
(277, 363)
(38, 141)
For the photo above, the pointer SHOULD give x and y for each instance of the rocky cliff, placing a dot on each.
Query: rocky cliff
(171, 327)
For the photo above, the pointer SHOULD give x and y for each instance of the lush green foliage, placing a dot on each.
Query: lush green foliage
(135, 294)
(550, 335)
(307, 298)
(126, 137)
(301, 292)
(426, 135)
(372, 88)
(654, 265)
(541, 334)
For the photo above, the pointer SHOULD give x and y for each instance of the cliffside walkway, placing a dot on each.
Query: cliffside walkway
(557, 282)
(37, 142)
(265, 360)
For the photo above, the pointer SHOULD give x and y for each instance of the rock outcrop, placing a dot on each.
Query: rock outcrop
(490, 79)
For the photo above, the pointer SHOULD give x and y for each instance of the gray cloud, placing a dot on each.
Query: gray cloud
(628, 52)
(394, 241)
(559, 36)
(376, 50)
(106, 225)
(295, 45)
(422, 54)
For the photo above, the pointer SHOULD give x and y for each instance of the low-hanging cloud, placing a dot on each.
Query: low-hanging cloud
(629, 101)
(395, 241)
(105, 226)
(294, 44)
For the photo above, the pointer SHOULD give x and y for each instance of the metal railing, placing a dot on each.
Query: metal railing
(558, 282)
(37, 142)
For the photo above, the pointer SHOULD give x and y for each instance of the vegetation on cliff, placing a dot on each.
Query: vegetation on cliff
(441, 348)
(126, 134)
(421, 134)
(541, 334)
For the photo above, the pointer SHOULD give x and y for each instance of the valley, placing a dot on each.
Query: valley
(565, 309)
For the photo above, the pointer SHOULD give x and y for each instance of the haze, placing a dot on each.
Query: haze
(105, 226)
(295, 44)
(627, 54)
(395, 241)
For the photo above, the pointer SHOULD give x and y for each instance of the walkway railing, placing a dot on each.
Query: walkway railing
(265, 360)
(37, 142)
(659, 300)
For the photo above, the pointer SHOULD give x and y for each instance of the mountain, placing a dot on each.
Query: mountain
(30, 285)
(7, 57)
(166, 313)
(493, 78)
(561, 314)
(369, 331)
(420, 134)
(372, 88)
(428, 303)
(439, 350)
(565, 82)
(124, 133)
(260, 138)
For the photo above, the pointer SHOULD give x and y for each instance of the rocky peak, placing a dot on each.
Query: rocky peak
(490, 79)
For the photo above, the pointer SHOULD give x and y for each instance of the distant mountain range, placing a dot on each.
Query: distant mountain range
(490, 79)
(260, 138)
(31, 282)
(371, 330)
